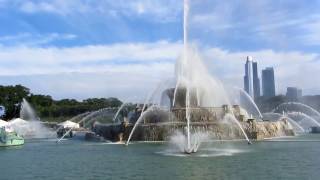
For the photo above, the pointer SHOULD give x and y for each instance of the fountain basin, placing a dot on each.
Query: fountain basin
(163, 131)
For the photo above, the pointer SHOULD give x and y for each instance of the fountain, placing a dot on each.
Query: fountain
(298, 126)
(191, 108)
(302, 118)
(87, 118)
(29, 125)
(304, 115)
(194, 88)
(251, 101)
(118, 111)
(297, 107)
(198, 107)
(26, 111)
(194, 147)
(278, 116)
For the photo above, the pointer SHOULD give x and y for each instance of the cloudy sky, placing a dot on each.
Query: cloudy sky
(124, 48)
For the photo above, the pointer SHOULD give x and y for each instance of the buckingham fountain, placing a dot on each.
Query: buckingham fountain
(191, 108)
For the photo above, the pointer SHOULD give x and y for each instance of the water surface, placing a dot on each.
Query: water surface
(289, 158)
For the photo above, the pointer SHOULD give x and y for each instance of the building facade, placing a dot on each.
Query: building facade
(251, 78)
(293, 93)
(256, 80)
(268, 83)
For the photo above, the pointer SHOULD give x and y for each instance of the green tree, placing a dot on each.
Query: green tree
(10, 97)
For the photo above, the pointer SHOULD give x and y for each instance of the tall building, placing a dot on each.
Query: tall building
(251, 78)
(293, 93)
(268, 84)
(256, 80)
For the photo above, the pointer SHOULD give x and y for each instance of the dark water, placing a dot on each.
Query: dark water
(291, 158)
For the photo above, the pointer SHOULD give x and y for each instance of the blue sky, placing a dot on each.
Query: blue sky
(83, 48)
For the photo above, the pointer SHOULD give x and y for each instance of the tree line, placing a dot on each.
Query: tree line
(46, 107)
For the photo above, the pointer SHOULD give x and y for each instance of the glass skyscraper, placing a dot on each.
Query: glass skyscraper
(251, 78)
(294, 93)
(268, 84)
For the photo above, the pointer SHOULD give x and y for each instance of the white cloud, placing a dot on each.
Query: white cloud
(28, 39)
(123, 69)
(59, 7)
(91, 58)
(160, 10)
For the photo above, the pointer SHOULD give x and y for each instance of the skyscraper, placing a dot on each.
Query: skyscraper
(268, 84)
(256, 80)
(251, 78)
(294, 93)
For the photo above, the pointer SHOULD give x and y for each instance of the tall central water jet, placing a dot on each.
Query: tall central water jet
(185, 46)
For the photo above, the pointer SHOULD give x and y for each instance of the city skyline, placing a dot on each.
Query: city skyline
(252, 85)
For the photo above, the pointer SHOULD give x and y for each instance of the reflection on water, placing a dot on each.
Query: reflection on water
(208, 152)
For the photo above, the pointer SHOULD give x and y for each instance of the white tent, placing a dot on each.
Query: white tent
(29, 129)
(69, 124)
(3, 123)
(18, 122)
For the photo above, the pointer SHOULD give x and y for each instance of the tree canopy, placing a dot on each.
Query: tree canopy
(46, 107)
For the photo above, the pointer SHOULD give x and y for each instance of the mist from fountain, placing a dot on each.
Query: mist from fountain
(179, 140)
(149, 101)
(118, 111)
(288, 106)
(29, 125)
(302, 117)
(89, 118)
(250, 100)
(272, 115)
(73, 119)
(143, 113)
(79, 116)
(27, 112)
(278, 116)
(295, 124)
(232, 118)
(123, 105)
